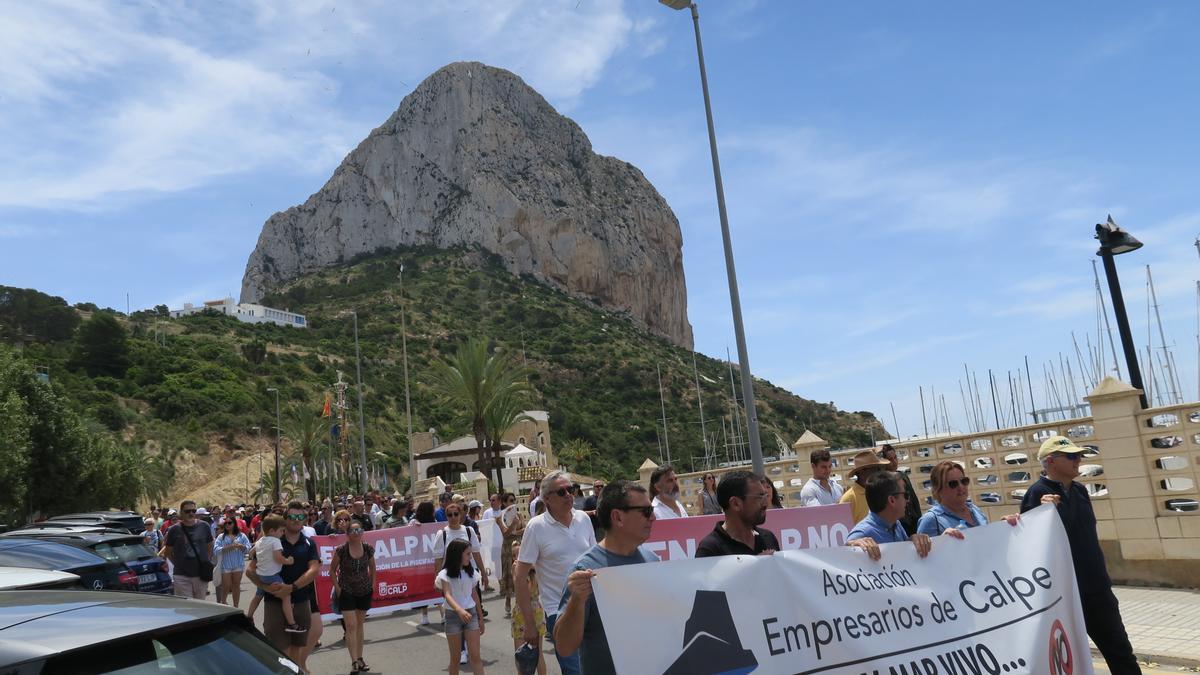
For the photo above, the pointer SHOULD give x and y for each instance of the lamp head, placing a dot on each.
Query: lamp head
(1114, 240)
(677, 4)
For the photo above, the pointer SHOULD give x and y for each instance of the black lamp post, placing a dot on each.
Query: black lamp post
(1115, 241)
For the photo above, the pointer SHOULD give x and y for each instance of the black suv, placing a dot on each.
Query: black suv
(128, 549)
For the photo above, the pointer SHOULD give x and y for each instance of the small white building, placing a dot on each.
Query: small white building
(245, 312)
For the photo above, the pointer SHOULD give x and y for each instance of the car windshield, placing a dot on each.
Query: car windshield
(124, 551)
(212, 650)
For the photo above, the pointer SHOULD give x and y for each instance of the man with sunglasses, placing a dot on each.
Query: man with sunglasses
(912, 505)
(188, 542)
(297, 588)
(744, 500)
(886, 499)
(626, 515)
(1101, 614)
(552, 542)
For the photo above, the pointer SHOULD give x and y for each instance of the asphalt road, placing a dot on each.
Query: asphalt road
(397, 643)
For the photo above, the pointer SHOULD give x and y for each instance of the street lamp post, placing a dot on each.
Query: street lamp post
(277, 432)
(412, 457)
(734, 300)
(1115, 241)
(362, 427)
(258, 436)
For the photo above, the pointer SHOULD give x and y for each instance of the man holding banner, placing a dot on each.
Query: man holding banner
(887, 498)
(626, 515)
(744, 500)
(1060, 459)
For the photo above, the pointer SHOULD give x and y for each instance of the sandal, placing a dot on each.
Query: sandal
(362, 666)
(354, 668)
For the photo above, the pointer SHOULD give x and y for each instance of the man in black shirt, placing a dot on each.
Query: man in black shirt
(744, 499)
(298, 580)
(1060, 458)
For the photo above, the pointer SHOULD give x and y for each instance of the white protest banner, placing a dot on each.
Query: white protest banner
(1002, 601)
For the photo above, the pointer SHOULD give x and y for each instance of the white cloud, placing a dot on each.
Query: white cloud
(108, 99)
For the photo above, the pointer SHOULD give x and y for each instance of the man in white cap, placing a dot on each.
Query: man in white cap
(1060, 461)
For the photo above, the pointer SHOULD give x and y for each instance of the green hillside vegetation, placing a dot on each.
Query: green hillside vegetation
(164, 386)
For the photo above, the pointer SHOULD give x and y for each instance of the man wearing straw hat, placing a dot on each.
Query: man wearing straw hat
(866, 464)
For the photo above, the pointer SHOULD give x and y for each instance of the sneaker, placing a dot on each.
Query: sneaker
(462, 657)
(424, 620)
(295, 628)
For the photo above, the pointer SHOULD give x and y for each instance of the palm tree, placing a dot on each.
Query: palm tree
(287, 486)
(502, 413)
(577, 452)
(306, 430)
(472, 380)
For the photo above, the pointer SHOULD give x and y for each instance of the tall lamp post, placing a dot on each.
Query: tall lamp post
(363, 432)
(735, 302)
(1115, 241)
(258, 436)
(277, 432)
(412, 457)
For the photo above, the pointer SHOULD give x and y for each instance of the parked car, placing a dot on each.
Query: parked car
(128, 549)
(25, 578)
(97, 523)
(25, 530)
(90, 632)
(94, 572)
(128, 519)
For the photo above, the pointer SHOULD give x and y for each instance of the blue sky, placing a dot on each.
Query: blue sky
(910, 187)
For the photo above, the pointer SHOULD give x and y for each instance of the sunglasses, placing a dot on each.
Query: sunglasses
(453, 514)
(646, 511)
(561, 492)
(189, 510)
(296, 516)
(953, 484)
(356, 530)
(1071, 456)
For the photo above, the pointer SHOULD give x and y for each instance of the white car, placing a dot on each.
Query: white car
(25, 578)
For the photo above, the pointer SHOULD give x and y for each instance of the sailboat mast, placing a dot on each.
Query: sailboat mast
(663, 402)
(700, 405)
(1162, 337)
(924, 422)
(893, 405)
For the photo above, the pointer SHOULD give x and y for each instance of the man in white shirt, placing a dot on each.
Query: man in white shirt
(493, 510)
(664, 487)
(551, 544)
(819, 490)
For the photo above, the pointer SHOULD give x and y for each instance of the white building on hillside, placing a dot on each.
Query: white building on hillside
(246, 312)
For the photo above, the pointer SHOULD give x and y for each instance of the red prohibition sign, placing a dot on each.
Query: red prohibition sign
(1061, 661)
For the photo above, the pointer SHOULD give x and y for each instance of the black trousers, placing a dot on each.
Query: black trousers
(1102, 617)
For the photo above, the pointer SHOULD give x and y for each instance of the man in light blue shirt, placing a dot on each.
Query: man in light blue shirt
(886, 498)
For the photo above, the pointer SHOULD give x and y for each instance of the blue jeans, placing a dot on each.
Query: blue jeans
(568, 664)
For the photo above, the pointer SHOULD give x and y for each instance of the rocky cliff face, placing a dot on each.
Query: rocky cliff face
(474, 156)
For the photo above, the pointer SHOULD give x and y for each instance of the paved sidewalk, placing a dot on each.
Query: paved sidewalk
(1163, 624)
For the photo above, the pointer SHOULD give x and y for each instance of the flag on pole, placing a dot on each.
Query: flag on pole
(326, 412)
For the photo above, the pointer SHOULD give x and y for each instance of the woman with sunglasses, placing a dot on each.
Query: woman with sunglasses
(231, 547)
(353, 572)
(954, 509)
(708, 495)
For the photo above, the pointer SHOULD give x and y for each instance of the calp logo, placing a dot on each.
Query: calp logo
(711, 645)
(1061, 660)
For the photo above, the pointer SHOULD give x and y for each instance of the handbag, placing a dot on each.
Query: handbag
(206, 567)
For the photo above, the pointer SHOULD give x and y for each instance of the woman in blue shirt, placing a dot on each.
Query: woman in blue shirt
(230, 547)
(953, 510)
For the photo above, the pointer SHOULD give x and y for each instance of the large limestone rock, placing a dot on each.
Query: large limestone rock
(474, 156)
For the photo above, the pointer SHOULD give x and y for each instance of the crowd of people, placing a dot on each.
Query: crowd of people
(550, 552)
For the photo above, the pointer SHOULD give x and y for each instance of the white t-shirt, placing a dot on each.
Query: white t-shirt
(308, 531)
(449, 534)
(813, 494)
(489, 514)
(460, 588)
(552, 549)
(664, 512)
(264, 559)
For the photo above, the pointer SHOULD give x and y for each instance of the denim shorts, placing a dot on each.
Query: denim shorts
(267, 581)
(455, 625)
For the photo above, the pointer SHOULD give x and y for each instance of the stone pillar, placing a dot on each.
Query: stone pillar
(644, 472)
(1130, 503)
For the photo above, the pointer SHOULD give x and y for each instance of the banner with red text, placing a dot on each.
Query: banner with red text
(1003, 600)
(796, 528)
(404, 568)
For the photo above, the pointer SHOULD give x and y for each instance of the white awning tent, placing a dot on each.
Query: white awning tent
(522, 456)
